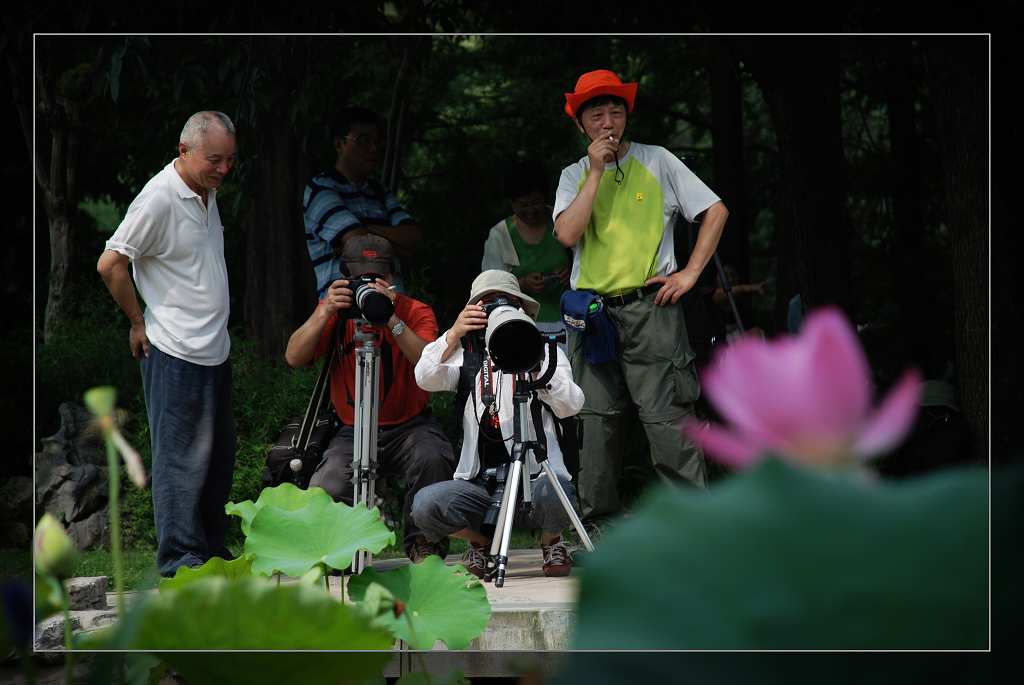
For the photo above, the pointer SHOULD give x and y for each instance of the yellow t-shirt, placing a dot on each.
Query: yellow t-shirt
(629, 237)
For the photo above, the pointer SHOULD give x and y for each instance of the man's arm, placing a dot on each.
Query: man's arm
(571, 223)
(303, 342)
(113, 268)
(674, 286)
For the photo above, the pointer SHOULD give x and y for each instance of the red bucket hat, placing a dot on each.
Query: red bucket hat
(599, 82)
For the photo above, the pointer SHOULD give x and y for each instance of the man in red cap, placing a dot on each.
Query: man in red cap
(616, 208)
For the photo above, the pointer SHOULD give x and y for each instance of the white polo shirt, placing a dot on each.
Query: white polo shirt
(176, 246)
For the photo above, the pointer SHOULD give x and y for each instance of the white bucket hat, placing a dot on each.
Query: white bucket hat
(498, 281)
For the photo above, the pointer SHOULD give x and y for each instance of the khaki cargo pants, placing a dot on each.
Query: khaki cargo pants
(654, 372)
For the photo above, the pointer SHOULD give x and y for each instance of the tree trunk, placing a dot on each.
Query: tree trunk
(280, 289)
(916, 318)
(727, 155)
(808, 124)
(958, 81)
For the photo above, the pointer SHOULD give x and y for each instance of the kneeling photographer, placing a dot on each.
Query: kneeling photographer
(411, 443)
(459, 508)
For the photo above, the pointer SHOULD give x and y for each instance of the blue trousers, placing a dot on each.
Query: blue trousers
(193, 440)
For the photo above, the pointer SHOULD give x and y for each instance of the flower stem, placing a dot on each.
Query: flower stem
(114, 508)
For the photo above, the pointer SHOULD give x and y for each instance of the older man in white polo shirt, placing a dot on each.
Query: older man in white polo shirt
(173, 239)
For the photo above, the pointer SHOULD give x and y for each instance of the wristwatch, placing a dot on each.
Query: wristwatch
(397, 329)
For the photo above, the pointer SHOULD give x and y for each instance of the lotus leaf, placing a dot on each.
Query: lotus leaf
(284, 496)
(219, 614)
(783, 557)
(441, 602)
(323, 532)
(238, 568)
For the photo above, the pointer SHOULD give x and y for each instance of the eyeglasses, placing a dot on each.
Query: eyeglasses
(364, 140)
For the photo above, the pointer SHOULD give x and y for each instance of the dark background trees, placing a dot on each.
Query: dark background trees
(854, 166)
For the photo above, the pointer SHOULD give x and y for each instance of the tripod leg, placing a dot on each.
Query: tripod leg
(567, 505)
(508, 511)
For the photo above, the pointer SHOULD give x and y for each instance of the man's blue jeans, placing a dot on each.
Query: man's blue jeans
(193, 439)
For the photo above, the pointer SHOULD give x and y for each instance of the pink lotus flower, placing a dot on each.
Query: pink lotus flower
(806, 398)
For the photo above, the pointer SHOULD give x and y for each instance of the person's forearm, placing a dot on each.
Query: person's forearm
(452, 342)
(707, 237)
(302, 343)
(120, 285)
(409, 342)
(570, 224)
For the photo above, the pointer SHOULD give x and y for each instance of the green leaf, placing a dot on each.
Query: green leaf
(323, 532)
(284, 496)
(250, 613)
(441, 602)
(237, 568)
(780, 557)
(100, 401)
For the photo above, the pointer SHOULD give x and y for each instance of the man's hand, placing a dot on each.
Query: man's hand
(532, 282)
(673, 287)
(602, 151)
(472, 318)
(338, 296)
(137, 340)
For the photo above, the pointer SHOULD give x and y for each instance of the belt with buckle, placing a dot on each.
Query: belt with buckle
(622, 299)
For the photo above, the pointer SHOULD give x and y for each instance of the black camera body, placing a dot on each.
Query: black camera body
(368, 302)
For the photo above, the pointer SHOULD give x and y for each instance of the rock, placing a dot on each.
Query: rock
(88, 593)
(94, 619)
(76, 441)
(50, 632)
(77, 496)
(93, 532)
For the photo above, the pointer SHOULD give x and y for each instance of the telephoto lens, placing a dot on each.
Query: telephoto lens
(370, 303)
(512, 338)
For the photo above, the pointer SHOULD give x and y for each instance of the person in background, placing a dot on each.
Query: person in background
(346, 200)
(524, 244)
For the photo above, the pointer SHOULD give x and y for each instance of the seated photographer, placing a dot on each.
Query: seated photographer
(411, 443)
(457, 508)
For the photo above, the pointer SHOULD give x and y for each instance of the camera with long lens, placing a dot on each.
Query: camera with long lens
(511, 337)
(368, 302)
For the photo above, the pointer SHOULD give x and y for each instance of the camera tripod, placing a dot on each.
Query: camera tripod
(524, 391)
(367, 419)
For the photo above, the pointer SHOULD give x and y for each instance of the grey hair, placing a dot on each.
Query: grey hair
(198, 125)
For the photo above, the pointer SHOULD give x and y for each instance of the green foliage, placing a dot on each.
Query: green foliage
(218, 613)
(320, 533)
(441, 602)
(286, 496)
(784, 558)
(237, 568)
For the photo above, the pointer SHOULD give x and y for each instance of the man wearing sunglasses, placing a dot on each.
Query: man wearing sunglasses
(349, 200)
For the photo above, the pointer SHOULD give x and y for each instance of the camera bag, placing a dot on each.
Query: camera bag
(305, 438)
